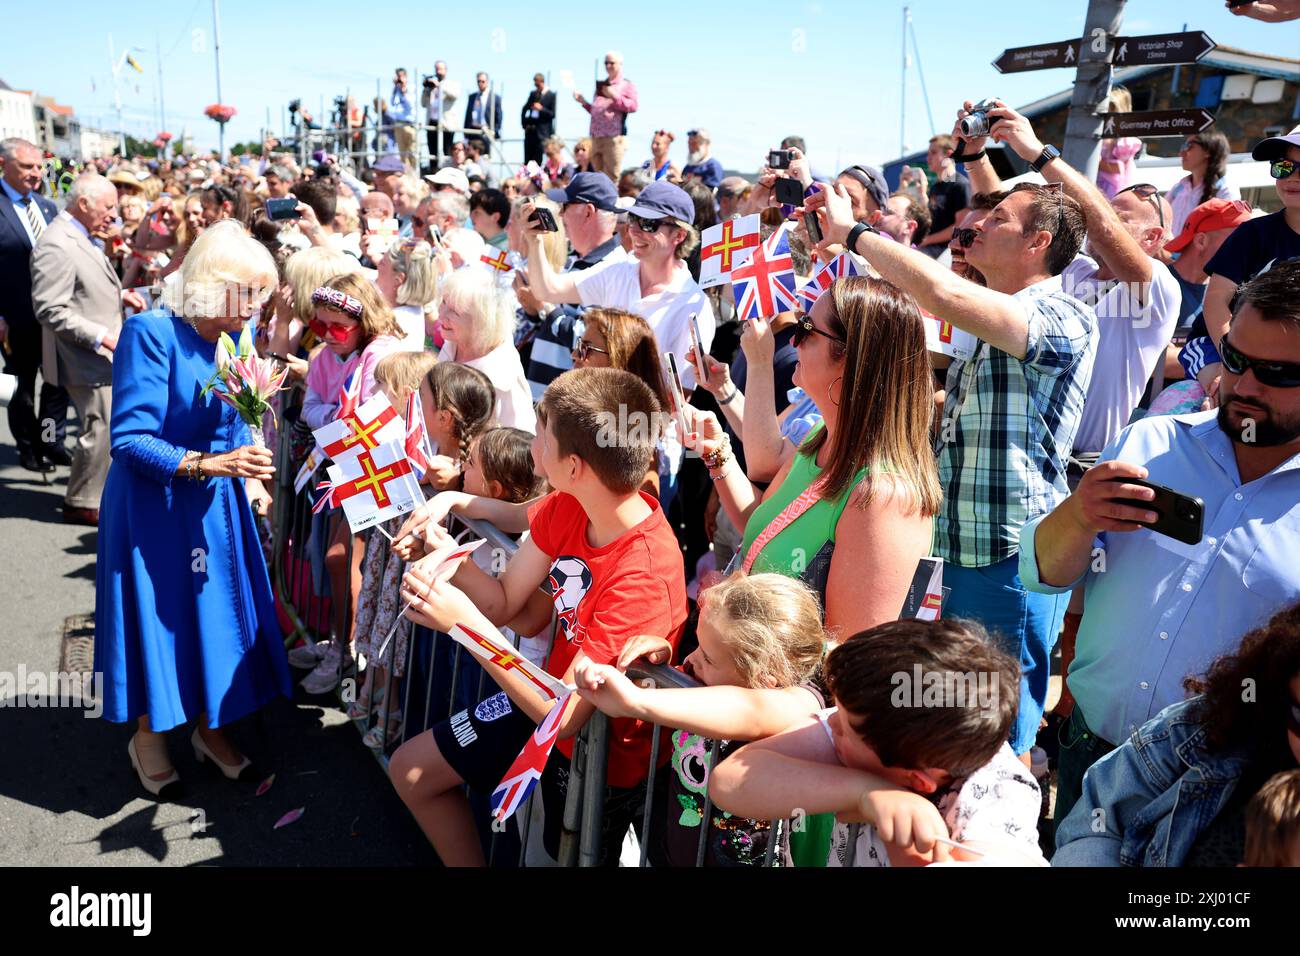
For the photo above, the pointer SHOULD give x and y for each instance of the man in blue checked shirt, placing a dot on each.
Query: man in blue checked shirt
(1011, 410)
(1157, 610)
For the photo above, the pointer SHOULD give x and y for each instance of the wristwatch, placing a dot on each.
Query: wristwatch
(851, 241)
(1048, 154)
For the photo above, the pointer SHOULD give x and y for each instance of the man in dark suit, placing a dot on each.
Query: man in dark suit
(538, 120)
(483, 115)
(23, 218)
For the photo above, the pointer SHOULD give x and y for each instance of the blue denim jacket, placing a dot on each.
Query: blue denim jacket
(1155, 794)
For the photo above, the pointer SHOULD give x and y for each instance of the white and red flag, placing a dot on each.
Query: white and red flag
(374, 486)
(726, 245)
(363, 429)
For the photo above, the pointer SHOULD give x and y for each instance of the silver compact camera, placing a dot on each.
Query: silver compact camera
(976, 123)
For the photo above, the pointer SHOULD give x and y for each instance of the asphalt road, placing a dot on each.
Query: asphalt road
(68, 795)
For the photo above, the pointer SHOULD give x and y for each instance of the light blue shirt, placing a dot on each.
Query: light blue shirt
(399, 107)
(1157, 611)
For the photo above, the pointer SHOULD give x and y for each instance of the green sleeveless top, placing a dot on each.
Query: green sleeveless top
(793, 550)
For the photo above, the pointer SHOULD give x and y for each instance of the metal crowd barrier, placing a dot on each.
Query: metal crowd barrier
(309, 612)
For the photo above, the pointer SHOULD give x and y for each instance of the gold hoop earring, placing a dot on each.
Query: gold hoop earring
(831, 391)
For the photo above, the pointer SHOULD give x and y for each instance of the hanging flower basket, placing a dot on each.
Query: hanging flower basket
(164, 137)
(220, 112)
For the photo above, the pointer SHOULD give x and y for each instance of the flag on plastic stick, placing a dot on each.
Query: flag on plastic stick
(500, 262)
(946, 339)
(363, 429)
(374, 486)
(492, 648)
(926, 593)
(765, 285)
(418, 448)
(326, 499)
(308, 469)
(841, 266)
(349, 395)
(524, 773)
(726, 245)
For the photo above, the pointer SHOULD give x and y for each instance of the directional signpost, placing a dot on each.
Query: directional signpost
(1156, 123)
(1126, 51)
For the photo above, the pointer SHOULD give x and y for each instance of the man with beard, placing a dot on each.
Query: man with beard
(699, 163)
(1156, 609)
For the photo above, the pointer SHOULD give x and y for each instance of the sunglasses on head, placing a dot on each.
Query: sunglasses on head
(1282, 168)
(584, 348)
(1149, 193)
(328, 331)
(804, 327)
(1272, 374)
(648, 225)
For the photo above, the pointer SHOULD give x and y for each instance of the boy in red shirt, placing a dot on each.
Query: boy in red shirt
(607, 557)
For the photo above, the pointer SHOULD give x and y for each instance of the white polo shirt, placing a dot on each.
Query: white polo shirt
(668, 313)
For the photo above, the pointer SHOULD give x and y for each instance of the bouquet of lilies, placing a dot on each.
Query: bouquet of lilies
(244, 380)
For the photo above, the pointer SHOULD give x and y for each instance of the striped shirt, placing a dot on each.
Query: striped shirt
(1008, 429)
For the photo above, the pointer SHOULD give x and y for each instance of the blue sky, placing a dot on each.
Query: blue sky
(751, 73)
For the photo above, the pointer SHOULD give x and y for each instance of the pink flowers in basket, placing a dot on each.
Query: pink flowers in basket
(219, 112)
(244, 380)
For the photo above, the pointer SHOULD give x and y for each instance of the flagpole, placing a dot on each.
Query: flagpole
(216, 48)
(162, 108)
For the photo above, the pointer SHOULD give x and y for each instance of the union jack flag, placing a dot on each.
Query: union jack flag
(527, 769)
(765, 285)
(349, 393)
(418, 450)
(326, 500)
(841, 265)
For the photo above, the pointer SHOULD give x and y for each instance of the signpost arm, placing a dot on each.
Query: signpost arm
(1082, 146)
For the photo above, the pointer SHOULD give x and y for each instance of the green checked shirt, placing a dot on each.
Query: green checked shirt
(1008, 427)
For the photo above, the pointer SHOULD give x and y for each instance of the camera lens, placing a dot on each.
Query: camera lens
(1185, 511)
(975, 124)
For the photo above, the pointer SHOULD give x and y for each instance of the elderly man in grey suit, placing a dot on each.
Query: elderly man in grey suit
(78, 300)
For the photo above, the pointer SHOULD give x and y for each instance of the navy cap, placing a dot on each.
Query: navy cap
(389, 163)
(663, 200)
(595, 188)
(873, 181)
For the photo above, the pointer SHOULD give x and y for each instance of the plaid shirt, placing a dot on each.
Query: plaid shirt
(1012, 424)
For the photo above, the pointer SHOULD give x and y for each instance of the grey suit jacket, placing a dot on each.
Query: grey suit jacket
(76, 296)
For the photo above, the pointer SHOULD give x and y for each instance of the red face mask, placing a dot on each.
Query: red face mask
(328, 332)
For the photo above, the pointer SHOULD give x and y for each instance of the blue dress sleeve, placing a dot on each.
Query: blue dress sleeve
(140, 391)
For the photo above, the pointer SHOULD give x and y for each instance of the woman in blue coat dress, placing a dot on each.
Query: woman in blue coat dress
(185, 622)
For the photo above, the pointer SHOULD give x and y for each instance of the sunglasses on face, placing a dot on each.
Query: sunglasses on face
(804, 327)
(585, 348)
(1272, 374)
(1149, 193)
(964, 237)
(1189, 144)
(327, 331)
(648, 225)
(1282, 168)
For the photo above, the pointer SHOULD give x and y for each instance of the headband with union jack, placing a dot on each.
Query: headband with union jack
(337, 300)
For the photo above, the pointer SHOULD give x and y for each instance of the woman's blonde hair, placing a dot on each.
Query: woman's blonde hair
(473, 293)
(347, 213)
(1119, 101)
(419, 277)
(555, 245)
(772, 625)
(584, 143)
(225, 256)
(402, 372)
(311, 268)
(132, 199)
(376, 315)
(183, 237)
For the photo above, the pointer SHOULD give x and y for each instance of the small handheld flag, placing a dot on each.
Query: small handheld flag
(494, 649)
(765, 285)
(527, 768)
(841, 266)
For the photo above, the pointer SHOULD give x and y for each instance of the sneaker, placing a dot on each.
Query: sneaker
(327, 674)
(308, 655)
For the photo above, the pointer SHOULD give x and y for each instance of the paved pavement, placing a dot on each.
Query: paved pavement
(68, 795)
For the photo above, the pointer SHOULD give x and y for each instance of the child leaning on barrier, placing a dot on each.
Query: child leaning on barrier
(610, 563)
(760, 643)
(915, 748)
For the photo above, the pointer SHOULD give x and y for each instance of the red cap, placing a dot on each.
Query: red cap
(1207, 217)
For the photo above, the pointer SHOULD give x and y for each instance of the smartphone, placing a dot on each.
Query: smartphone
(813, 227)
(278, 210)
(544, 218)
(701, 367)
(435, 234)
(789, 191)
(676, 393)
(1181, 516)
(778, 159)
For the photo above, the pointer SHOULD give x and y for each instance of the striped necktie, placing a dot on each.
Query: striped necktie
(35, 218)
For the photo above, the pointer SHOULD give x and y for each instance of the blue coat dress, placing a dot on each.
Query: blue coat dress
(185, 620)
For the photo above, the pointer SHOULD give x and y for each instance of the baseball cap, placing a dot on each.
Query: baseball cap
(1275, 147)
(663, 200)
(595, 188)
(389, 163)
(450, 176)
(732, 186)
(1207, 217)
(874, 182)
